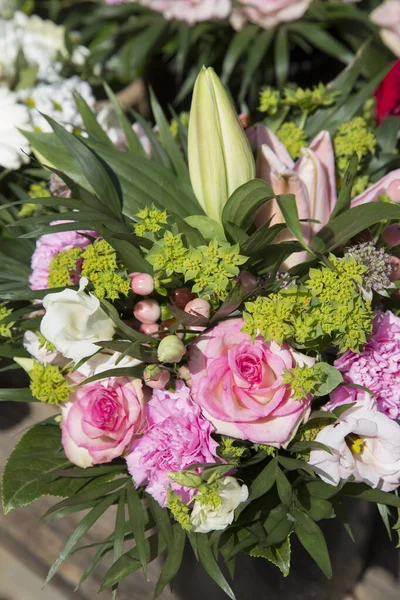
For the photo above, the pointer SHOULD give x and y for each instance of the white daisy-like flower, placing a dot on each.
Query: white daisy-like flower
(14, 147)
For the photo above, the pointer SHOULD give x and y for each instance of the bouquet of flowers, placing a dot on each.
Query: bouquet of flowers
(212, 318)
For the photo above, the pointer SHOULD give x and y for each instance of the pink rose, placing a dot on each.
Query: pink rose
(268, 13)
(101, 420)
(176, 438)
(239, 386)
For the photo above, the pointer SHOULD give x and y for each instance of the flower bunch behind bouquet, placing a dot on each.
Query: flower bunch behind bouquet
(218, 336)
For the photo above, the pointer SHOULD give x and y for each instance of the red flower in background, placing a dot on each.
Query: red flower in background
(388, 94)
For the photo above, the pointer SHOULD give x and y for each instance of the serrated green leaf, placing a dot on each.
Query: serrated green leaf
(330, 378)
(279, 555)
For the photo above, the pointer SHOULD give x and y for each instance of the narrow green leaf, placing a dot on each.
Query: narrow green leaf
(313, 540)
(256, 55)
(16, 394)
(174, 559)
(283, 486)
(210, 565)
(134, 372)
(245, 201)
(360, 490)
(238, 46)
(282, 56)
(132, 140)
(261, 485)
(343, 201)
(162, 519)
(277, 525)
(90, 122)
(87, 522)
(293, 464)
(288, 206)
(135, 510)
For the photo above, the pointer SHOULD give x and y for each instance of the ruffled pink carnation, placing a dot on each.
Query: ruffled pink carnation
(376, 367)
(47, 246)
(101, 419)
(176, 438)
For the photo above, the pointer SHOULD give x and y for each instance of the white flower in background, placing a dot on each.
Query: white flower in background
(7, 8)
(13, 145)
(10, 44)
(205, 518)
(57, 101)
(109, 121)
(365, 443)
(74, 322)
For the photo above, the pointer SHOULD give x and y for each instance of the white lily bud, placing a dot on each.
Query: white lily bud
(220, 157)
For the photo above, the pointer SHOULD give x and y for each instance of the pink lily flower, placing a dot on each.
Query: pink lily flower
(311, 179)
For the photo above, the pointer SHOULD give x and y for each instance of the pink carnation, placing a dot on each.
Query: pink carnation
(101, 420)
(268, 13)
(376, 367)
(177, 437)
(190, 11)
(239, 386)
(47, 246)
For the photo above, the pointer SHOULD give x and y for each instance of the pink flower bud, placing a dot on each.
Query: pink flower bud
(147, 311)
(141, 283)
(149, 328)
(396, 268)
(155, 377)
(391, 235)
(393, 190)
(184, 374)
(197, 307)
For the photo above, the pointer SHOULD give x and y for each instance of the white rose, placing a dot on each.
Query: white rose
(365, 443)
(231, 493)
(74, 321)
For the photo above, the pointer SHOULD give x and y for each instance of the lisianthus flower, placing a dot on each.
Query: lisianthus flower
(100, 420)
(365, 444)
(376, 367)
(177, 436)
(311, 179)
(205, 518)
(239, 384)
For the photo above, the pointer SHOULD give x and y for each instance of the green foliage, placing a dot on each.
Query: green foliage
(48, 384)
(293, 138)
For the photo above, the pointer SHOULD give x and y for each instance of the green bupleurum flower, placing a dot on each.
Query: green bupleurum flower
(151, 220)
(229, 450)
(303, 380)
(293, 138)
(48, 384)
(180, 511)
(101, 267)
(63, 267)
(269, 101)
(308, 100)
(5, 328)
(353, 136)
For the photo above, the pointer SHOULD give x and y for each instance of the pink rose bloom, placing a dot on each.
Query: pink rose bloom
(268, 13)
(238, 384)
(190, 11)
(47, 246)
(387, 16)
(101, 420)
(177, 437)
(376, 367)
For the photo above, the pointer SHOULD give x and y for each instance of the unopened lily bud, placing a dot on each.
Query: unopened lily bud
(219, 153)
(156, 377)
(171, 349)
(198, 307)
(141, 283)
(147, 311)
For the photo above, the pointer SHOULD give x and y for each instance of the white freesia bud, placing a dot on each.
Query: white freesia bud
(171, 349)
(74, 321)
(205, 518)
(220, 157)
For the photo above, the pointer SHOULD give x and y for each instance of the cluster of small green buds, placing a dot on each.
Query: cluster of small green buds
(270, 450)
(151, 221)
(230, 451)
(48, 384)
(353, 136)
(302, 380)
(36, 190)
(180, 511)
(211, 268)
(43, 342)
(209, 495)
(308, 100)
(101, 268)
(293, 138)
(63, 268)
(269, 101)
(328, 308)
(379, 268)
(361, 183)
(5, 327)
